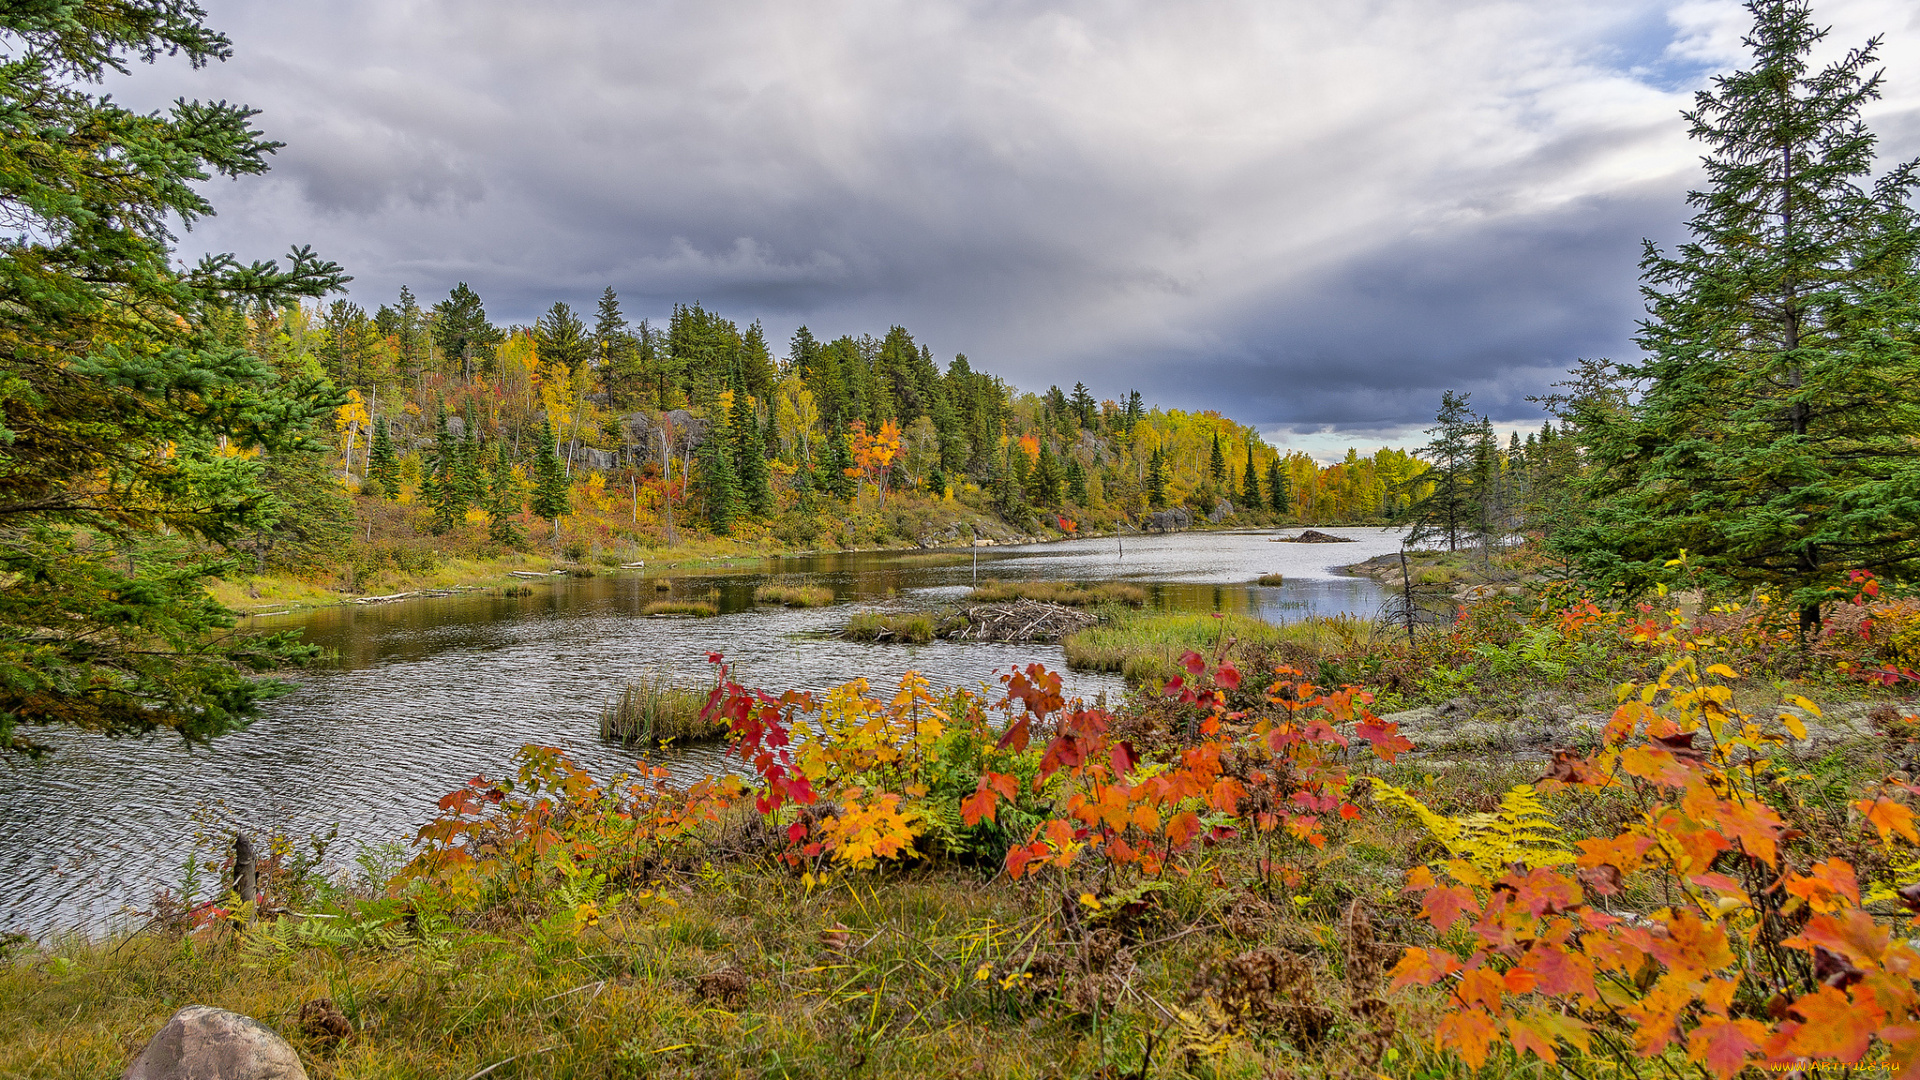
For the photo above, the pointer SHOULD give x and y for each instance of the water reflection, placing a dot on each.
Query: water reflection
(425, 694)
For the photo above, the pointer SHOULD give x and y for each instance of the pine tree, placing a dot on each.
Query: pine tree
(551, 493)
(720, 486)
(504, 500)
(1250, 483)
(1047, 484)
(1774, 439)
(1135, 411)
(750, 457)
(1279, 489)
(1446, 511)
(1082, 402)
(462, 332)
(1217, 463)
(833, 478)
(1008, 482)
(1076, 482)
(382, 466)
(562, 337)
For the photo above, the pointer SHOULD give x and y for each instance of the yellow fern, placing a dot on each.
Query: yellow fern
(1521, 831)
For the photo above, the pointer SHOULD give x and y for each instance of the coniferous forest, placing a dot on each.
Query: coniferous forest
(1621, 781)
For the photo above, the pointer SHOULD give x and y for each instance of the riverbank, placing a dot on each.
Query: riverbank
(938, 900)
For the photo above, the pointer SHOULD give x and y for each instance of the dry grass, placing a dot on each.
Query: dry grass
(896, 627)
(1066, 593)
(698, 608)
(1271, 580)
(804, 596)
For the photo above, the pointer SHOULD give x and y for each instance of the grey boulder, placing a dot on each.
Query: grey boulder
(202, 1043)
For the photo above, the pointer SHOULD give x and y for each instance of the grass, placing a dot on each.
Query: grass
(804, 596)
(699, 608)
(902, 627)
(1272, 580)
(1068, 593)
(1146, 646)
(652, 711)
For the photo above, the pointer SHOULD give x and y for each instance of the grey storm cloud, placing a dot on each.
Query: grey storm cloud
(1310, 216)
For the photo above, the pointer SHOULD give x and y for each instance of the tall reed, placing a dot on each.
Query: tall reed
(652, 710)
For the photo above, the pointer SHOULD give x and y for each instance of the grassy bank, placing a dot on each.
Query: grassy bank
(1068, 593)
(1180, 887)
(1147, 646)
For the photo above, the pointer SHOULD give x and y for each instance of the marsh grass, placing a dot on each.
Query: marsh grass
(1147, 646)
(803, 596)
(652, 710)
(899, 627)
(1272, 580)
(1067, 593)
(682, 606)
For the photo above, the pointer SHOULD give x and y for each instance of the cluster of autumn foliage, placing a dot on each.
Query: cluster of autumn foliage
(1721, 918)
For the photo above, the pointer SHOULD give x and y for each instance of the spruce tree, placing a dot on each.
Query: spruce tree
(720, 486)
(750, 458)
(504, 500)
(1217, 463)
(1250, 481)
(550, 490)
(1774, 438)
(382, 466)
(1279, 489)
(1082, 402)
(1076, 482)
(1157, 478)
(443, 489)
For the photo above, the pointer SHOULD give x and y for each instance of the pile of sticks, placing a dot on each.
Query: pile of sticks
(1018, 620)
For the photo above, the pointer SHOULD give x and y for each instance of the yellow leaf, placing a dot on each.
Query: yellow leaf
(1802, 703)
(1794, 725)
(1090, 900)
(1723, 671)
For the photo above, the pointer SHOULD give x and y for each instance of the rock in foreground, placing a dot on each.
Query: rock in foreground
(203, 1043)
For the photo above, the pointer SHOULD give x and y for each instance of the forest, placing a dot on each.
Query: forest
(697, 429)
(1626, 786)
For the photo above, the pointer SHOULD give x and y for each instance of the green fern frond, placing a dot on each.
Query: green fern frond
(1521, 832)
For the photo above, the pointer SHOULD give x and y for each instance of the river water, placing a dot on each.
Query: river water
(427, 693)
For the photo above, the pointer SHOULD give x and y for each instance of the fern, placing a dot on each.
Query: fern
(1520, 832)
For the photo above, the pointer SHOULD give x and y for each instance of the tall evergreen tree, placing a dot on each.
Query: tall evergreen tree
(1076, 482)
(750, 457)
(562, 337)
(444, 491)
(504, 499)
(1217, 463)
(1157, 478)
(1083, 405)
(1279, 490)
(720, 486)
(551, 494)
(1774, 439)
(1250, 481)
(1446, 510)
(461, 331)
(382, 466)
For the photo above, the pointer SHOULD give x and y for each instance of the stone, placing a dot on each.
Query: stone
(204, 1043)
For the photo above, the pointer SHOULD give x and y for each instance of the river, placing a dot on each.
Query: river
(427, 693)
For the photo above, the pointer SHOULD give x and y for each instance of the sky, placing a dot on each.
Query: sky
(1310, 216)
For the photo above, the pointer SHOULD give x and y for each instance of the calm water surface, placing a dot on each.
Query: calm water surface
(427, 693)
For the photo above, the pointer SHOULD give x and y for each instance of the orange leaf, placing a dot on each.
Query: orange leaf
(1528, 1039)
(1418, 967)
(1442, 906)
(1829, 1026)
(978, 806)
(1889, 817)
(1558, 972)
(1826, 885)
(1468, 1034)
(1724, 1045)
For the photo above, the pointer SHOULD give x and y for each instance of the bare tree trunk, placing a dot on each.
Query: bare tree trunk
(245, 868)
